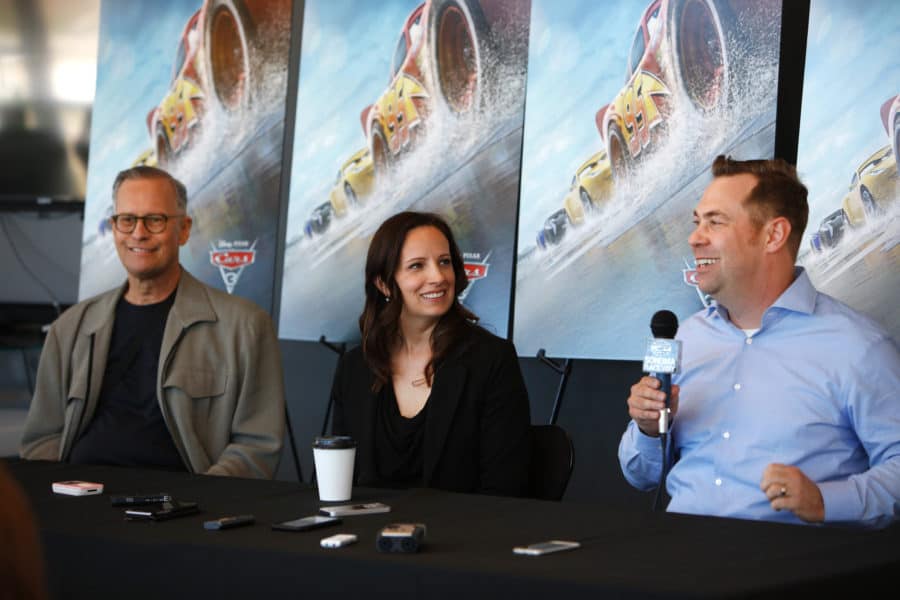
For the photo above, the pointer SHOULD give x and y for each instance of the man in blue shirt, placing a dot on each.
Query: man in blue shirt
(787, 400)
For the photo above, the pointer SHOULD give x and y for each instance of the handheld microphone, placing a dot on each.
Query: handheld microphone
(663, 357)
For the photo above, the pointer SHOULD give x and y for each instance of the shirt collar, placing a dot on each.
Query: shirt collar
(800, 297)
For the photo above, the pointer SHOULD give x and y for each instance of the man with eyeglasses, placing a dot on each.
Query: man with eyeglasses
(163, 372)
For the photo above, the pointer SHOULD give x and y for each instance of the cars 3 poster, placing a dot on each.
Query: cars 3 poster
(403, 105)
(196, 87)
(627, 105)
(849, 137)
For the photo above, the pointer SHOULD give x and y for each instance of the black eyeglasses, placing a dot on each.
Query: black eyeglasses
(125, 223)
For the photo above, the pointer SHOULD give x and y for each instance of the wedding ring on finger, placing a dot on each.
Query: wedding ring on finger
(783, 491)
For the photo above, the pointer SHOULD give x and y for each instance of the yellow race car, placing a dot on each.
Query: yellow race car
(146, 158)
(354, 182)
(591, 185)
(872, 186)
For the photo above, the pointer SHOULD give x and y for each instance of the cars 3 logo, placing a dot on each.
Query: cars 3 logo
(476, 268)
(231, 258)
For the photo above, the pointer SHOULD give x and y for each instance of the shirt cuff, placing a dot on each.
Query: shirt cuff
(646, 445)
(841, 501)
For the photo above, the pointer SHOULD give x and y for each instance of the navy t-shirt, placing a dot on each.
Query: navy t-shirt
(128, 427)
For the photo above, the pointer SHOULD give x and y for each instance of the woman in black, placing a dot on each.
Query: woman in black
(431, 398)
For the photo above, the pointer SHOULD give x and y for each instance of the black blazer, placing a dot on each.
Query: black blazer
(477, 429)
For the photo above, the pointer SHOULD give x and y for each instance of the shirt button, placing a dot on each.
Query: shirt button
(737, 386)
(726, 435)
(749, 340)
(718, 481)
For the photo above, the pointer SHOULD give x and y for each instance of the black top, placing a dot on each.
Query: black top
(128, 427)
(399, 442)
(477, 435)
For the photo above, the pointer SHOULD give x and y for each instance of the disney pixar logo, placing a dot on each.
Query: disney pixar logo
(232, 258)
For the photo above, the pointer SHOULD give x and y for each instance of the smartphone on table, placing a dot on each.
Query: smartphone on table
(542, 548)
(338, 540)
(306, 523)
(163, 512)
(345, 510)
(77, 488)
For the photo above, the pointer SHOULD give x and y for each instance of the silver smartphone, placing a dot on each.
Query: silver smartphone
(546, 547)
(346, 510)
(306, 523)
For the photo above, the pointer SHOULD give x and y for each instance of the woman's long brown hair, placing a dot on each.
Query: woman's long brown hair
(379, 322)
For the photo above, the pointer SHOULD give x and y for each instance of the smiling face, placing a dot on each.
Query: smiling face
(150, 256)
(728, 246)
(425, 274)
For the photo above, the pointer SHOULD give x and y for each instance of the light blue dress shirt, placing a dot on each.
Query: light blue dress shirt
(817, 387)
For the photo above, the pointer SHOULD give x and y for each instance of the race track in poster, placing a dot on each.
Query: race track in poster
(409, 143)
(608, 189)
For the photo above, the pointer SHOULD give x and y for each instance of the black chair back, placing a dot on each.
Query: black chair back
(552, 461)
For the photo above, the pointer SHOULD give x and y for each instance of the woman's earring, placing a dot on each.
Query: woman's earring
(387, 298)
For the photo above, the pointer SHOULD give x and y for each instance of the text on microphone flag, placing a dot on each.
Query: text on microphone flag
(662, 356)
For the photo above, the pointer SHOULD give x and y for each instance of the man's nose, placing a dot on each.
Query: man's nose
(696, 238)
(140, 229)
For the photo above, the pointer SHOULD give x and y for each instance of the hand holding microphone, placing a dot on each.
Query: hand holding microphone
(654, 400)
(647, 403)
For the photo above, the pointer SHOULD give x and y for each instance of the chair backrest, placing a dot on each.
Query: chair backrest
(552, 461)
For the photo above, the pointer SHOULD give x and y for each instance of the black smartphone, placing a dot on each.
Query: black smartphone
(164, 511)
(140, 499)
(306, 523)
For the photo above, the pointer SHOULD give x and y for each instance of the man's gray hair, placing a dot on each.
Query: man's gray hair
(145, 172)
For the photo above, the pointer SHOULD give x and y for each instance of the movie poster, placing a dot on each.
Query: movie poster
(403, 105)
(196, 87)
(849, 138)
(628, 103)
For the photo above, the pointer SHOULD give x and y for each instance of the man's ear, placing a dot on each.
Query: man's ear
(379, 283)
(778, 230)
(185, 232)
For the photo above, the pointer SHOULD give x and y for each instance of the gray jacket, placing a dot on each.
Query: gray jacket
(219, 383)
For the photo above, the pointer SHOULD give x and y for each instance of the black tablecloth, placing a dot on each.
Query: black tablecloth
(92, 551)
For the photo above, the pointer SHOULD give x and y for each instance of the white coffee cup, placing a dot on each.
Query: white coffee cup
(334, 457)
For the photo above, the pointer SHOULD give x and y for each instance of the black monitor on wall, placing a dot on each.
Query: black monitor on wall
(47, 71)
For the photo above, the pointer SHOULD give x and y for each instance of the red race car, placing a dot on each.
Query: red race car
(216, 61)
(440, 62)
(682, 50)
